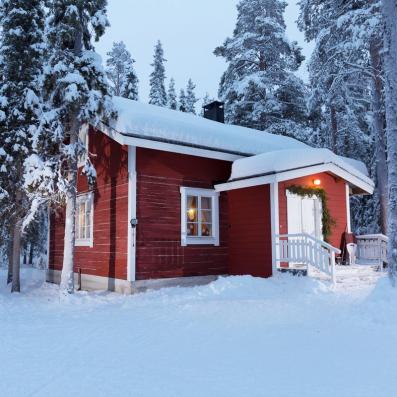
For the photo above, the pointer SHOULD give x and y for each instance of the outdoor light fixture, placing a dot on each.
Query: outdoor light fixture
(317, 182)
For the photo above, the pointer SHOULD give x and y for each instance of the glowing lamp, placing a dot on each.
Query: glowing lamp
(191, 213)
(317, 182)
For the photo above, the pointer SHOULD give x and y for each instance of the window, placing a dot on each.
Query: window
(200, 216)
(84, 220)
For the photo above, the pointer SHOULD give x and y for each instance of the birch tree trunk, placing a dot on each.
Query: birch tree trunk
(378, 126)
(67, 276)
(389, 8)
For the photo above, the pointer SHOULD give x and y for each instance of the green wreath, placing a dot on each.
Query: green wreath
(327, 220)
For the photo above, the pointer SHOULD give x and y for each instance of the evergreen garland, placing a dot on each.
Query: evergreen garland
(327, 220)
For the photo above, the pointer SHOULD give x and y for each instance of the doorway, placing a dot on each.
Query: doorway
(304, 215)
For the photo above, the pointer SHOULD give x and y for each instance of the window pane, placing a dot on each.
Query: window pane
(88, 219)
(192, 229)
(192, 214)
(206, 216)
(206, 230)
(82, 219)
(206, 203)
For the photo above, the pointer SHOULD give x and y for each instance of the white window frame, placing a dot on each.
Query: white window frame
(85, 242)
(197, 240)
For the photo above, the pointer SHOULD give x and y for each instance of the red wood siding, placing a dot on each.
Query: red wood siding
(250, 232)
(336, 191)
(108, 257)
(159, 252)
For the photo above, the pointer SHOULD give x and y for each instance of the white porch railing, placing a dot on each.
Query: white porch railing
(372, 249)
(306, 250)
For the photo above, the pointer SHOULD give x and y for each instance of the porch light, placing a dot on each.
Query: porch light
(317, 182)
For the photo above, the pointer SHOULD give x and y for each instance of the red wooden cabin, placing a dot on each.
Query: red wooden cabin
(181, 200)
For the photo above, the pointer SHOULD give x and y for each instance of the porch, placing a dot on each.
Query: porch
(302, 252)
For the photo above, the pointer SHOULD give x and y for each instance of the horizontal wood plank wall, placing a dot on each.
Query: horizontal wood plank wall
(159, 252)
(108, 257)
(250, 232)
(336, 191)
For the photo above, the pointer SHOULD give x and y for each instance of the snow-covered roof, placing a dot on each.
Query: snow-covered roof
(148, 121)
(258, 152)
(291, 159)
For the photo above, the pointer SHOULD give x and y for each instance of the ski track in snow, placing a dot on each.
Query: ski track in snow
(239, 336)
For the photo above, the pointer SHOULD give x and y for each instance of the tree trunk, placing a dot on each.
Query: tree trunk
(67, 276)
(389, 8)
(10, 255)
(378, 126)
(334, 129)
(31, 250)
(16, 256)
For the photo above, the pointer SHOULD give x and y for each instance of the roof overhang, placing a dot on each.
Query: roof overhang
(134, 139)
(360, 184)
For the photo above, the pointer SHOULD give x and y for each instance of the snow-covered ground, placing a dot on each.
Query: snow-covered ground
(240, 336)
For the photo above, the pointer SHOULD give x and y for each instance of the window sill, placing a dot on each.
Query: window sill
(200, 241)
(84, 243)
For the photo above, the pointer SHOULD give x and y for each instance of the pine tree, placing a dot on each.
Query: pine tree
(158, 95)
(77, 94)
(191, 99)
(342, 71)
(121, 73)
(130, 88)
(171, 96)
(182, 101)
(261, 61)
(389, 8)
(21, 52)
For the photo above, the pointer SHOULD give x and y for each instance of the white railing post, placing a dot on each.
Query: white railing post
(333, 275)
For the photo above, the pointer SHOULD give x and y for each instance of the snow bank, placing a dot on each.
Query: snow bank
(156, 122)
(239, 336)
(289, 159)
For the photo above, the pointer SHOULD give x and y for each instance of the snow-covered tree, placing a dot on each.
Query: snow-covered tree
(77, 94)
(182, 101)
(158, 95)
(171, 95)
(21, 52)
(121, 73)
(389, 8)
(191, 99)
(345, 82)
(261, 62)
(130, 88)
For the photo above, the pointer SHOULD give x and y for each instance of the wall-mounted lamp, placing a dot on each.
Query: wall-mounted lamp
(317, 182)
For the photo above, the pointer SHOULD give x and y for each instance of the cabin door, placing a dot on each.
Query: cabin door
(304, 215)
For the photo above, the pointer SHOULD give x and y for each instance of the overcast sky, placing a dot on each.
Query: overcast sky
(189, 30)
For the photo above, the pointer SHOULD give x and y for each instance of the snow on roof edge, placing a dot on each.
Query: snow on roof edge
(288, 160)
